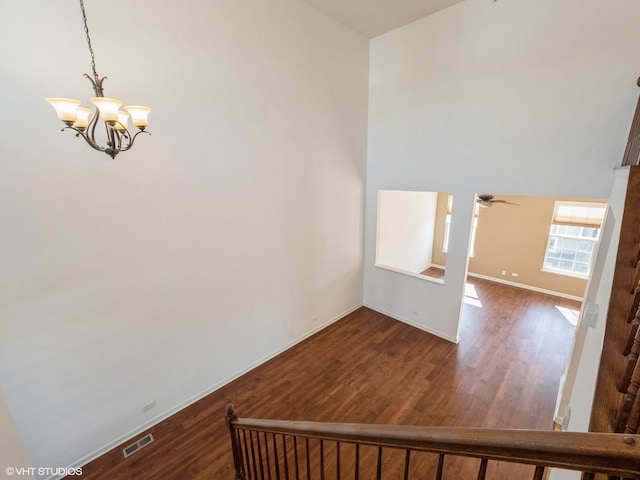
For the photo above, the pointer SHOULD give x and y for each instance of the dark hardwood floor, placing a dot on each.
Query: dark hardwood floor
(433, 272)
(370, 368)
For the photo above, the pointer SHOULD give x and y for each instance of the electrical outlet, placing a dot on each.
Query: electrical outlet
(591, 315)
(314, 319)
(514, 274)
(566, 418)
(148, 406)
(504, 272)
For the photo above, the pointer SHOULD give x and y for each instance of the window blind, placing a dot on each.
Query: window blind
(579, 214)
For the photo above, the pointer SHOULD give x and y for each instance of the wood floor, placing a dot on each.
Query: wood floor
(433, 272)
(370, 368)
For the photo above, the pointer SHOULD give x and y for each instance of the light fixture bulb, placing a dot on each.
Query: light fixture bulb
(122, 123)
(82, 122)
(66, 108)
(108, 108)
(139, 115)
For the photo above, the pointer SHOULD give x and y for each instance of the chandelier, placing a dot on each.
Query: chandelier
(84, 121)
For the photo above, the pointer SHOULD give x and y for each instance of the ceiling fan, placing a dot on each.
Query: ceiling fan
(486, 200)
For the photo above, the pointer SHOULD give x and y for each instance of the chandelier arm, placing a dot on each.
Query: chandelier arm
(110, 139)
(113, 147)
(90, 142)
(117, 139)
(91, 131)
(132, 139)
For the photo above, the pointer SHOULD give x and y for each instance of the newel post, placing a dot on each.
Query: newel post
(230, 416)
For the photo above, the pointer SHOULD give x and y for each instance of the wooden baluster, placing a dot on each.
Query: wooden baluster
(634, 320)
(407, 459)
(636, 260)
(308, 459)
(632, 360)
(246, 457)
(295, 455)
(266, 454)
(636, 279)
(230, 416)
(321, 459)
(254, 468)
(286, 457)
(634, 415)
(440, 467)
(379, 469)
(260, 456)
(539, 473)
(337, 460)
(629, 400)
(631, 338)
(482, 473)
(276, 459)
(356, 474)
(633, 311)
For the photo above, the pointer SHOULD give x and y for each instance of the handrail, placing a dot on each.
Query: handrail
(612, 454)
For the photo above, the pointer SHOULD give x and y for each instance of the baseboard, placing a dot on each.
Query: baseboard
(199, 396)
(402, 319)
(526, 287)
(519, 285)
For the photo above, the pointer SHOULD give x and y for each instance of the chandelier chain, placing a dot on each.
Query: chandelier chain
(86, 30)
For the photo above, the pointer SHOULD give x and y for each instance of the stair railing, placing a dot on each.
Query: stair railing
(288, 450)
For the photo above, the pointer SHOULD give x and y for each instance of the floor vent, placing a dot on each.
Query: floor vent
(134, 447)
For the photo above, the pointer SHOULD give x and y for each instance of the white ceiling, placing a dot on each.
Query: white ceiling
(375, 17)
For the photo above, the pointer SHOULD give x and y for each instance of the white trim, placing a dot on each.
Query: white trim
(526, 287)
(184, 404)
(436, 265)
(439, 281)
(566, 274)
(431, 331)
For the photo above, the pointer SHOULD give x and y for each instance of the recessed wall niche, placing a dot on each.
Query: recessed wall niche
(411, 227)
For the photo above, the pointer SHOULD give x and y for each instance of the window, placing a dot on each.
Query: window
(447, 227)
(575, 229)
(474, 228)
(447, 224)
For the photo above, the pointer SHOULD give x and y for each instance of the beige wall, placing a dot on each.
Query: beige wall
(514, 239)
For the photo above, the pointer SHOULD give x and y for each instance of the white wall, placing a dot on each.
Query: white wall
(514, 97)
(208, 247)
(12, 454)
(406, 223)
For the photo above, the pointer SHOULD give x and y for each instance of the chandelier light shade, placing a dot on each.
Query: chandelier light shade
(84, 121)
(66, 108)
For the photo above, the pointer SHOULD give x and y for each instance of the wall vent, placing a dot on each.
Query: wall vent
(134, 447)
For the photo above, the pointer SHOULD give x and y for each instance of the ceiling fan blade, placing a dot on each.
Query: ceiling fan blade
(504, 201)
